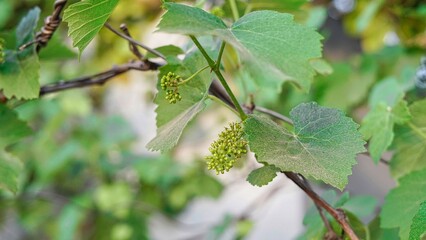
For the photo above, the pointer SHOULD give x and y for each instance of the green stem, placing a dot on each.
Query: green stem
(193, 75)
(219, 57)
(219, 75)
(234, 10)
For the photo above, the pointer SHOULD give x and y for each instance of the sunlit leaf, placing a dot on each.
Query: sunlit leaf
(272, 39)
(86, 18)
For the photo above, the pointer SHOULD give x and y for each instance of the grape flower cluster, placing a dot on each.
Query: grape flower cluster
(170, 83)
(227, 149)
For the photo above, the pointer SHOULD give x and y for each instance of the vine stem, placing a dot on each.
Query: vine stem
(193, 75)
(219, 75)
(234, 10)
(337, 214)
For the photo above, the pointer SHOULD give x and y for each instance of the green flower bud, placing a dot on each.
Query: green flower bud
(170, 84)
(229, 147)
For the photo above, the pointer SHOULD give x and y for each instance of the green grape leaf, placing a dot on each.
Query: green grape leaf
(378, 124)
(257, 36)
(388, 90)
(403, 202)
(349, 84)
(321, 66)
(12, 129)
(262, 176)
(86, 18)
(377, 233)
(323, 145)
(10, 167)
(168, 50)
(410, 143)
(19, 75)
(418, 227)
(173, 118)
(56, 50)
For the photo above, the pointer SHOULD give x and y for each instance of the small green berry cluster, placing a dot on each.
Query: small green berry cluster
(227, 149)
(170, 84)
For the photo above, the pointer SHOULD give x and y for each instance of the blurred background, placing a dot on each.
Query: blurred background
(88, 174)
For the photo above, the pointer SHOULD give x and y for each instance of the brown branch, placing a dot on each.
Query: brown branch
(98, 79)
(330, 235)
(51, 23)
(337, 214)
(133, 41)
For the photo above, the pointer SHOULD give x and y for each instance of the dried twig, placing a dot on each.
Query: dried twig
(133, 41)
(337, 214)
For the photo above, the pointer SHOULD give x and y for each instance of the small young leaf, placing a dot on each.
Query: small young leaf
(258, 36)
(410, 143)
(378, 126)
(403, 202)
(418, 227)
(323, 145)
(173, 118)
(86, 18)
(12, 129)
(262, 176)
(19, 71)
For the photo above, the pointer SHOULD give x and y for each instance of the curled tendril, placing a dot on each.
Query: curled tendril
(170, 83)
(227, 149)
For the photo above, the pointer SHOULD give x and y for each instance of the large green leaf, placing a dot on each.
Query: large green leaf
(86, 18)
(273, 40)
(173, 118)
(410, 143)
(19, 72)
(12, 130)
(418, 227)
(403, 202)
(323, 145)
